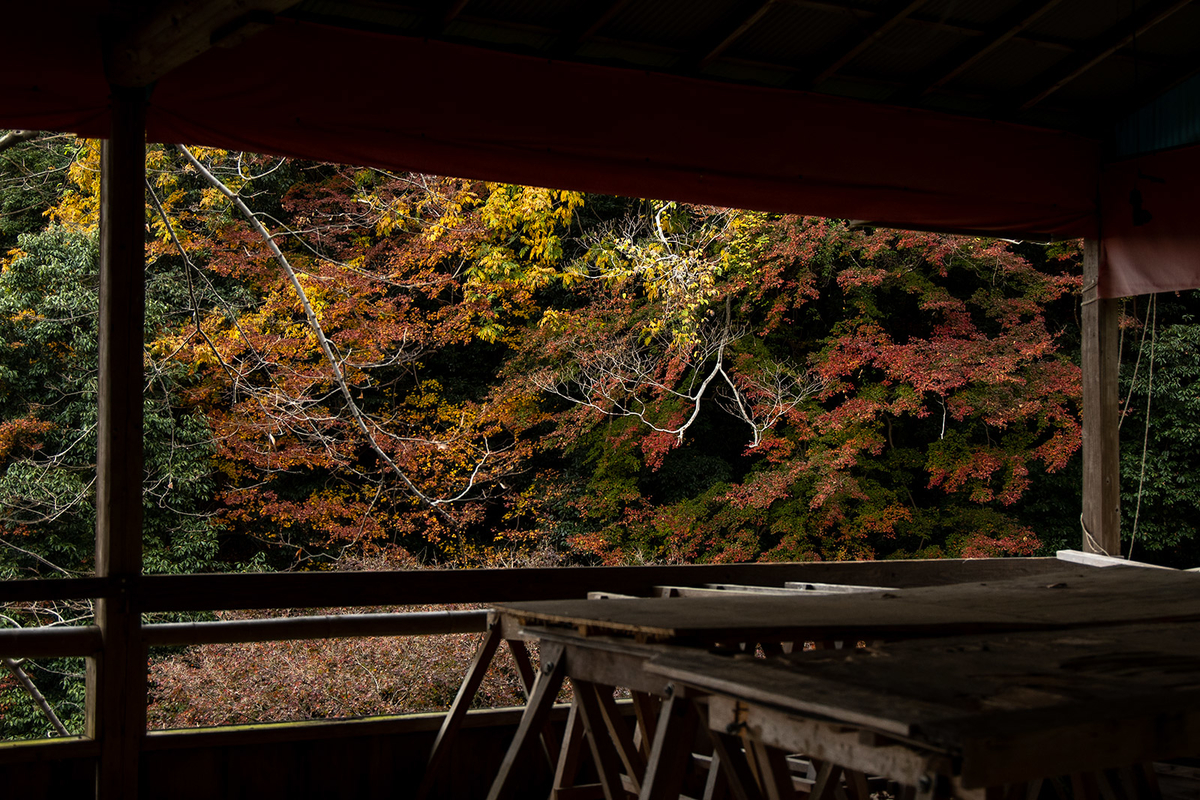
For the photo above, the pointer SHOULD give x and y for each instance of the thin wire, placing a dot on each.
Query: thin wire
(1146, 433)
(1133, 379)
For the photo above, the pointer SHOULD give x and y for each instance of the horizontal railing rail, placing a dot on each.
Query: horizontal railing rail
(330, 626)
(424, 587)
(241, 591)
(264, 590)
(50, 642)
(86, 640)
(49, 749)
(47, 589)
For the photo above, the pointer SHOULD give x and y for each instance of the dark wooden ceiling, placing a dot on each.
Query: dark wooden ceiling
(1077, 65)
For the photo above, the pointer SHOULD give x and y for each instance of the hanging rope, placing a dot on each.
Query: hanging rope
(1137, 509)
(1093, 545)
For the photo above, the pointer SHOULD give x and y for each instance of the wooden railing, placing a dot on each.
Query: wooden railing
(221, 592)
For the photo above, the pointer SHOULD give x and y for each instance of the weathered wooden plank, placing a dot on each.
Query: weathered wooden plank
(825, 740)
(217, 592)
(716, 781)
(835, 588)
(646, 707)
(1071, 597)
(1014, 707)
(777, 683)
(827, 780)
(618, 732)
(410, 587)
(609, 662)
(809, 588)
(773, 770)
(528, 675)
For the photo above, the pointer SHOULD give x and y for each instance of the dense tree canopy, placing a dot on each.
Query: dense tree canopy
(346, 367)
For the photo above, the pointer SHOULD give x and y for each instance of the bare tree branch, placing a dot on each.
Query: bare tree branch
(13, 138)
(615, 379)
(38, 698)
(333, 363)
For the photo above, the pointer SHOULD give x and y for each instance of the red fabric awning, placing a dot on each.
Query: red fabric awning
(1162, 253)
(449, 109)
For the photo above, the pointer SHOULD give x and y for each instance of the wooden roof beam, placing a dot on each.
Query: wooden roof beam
(1025, 16)
(1149, 91)
(442, 15)
(885, 23)
(1113, 40)
(726, 40)
(945, 24)
(149, 48)
(587, 25)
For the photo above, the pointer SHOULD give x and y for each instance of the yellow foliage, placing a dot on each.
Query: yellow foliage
(676, 266)
(79, 208)
(448, 213)
(533, 216)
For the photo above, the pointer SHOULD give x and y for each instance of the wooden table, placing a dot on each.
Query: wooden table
(966, 714)
(659, 648)
(1071, 598)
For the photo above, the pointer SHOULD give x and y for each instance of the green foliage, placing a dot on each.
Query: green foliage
(61, 681)
(892, 393)
(48, 358)
(32, 177)
(48, 379)
(1167, 433)
(48, 352)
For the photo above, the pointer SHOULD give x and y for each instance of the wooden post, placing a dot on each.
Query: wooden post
(116, 703)
(1101, 465)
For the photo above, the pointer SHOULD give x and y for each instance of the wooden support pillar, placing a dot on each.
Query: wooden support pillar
(1101, 461)
(116, 703)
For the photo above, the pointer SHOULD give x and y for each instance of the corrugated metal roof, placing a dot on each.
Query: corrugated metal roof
(972, 12)
(1171, 121)
(675, 23)
(1082, 21)
(906, 51)
(520, 37)
(792, 35)
(1008, 68)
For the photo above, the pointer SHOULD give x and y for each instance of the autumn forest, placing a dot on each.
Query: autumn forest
(347, 368)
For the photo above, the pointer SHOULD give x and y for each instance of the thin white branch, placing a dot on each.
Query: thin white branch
(331, 360)
(38, 698)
